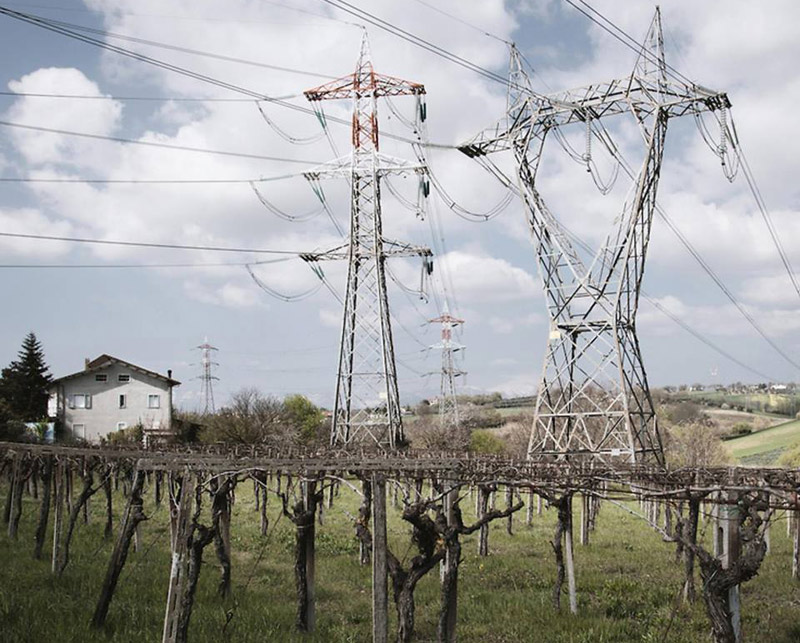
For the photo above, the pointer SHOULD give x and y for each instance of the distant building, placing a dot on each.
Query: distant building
(110, 394)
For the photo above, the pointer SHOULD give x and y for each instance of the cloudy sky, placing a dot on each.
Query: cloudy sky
(156, 316)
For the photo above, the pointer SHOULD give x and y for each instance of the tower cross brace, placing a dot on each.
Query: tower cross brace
(593, 399)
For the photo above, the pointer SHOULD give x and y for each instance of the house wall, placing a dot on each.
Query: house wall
(105, 413)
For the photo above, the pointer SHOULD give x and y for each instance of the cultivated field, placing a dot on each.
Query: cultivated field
(764, 447)
(628, 584)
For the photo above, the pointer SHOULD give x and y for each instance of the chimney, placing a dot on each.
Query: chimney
(169, 373)
(86, 361)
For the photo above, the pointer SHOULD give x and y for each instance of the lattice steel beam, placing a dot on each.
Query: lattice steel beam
(367, 401)
(593, 399)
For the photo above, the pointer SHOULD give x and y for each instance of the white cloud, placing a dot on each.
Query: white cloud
(482, 278)
(32, 222)
(230, 294)
(95, 116)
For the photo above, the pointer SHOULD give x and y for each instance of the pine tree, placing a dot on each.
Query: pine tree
(24, 383)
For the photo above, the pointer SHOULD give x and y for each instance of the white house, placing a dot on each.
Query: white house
(110, 394)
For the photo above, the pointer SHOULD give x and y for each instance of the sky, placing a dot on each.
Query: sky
(486, 270)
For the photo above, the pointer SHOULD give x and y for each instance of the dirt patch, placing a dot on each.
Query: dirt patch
(725, 420)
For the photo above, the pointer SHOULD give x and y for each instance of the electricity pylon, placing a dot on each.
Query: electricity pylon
(367, 402)
(206, 376)
(593, 399)
(448, 403)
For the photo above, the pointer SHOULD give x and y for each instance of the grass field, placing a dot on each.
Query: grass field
(627, 585)
(764, 447)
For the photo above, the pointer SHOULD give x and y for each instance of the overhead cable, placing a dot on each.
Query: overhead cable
(87, 266)
(53, 26)
(263, 179)
(163, 45)
(376, 21)
(169, 146)
(143, 244)
(173, 99)
(279, 295)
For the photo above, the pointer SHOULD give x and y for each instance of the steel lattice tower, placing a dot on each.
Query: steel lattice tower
(448, 403)
(593, 398)
(206, 377)
(367, 402)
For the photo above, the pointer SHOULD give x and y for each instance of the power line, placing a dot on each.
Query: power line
(625, 38)
(362, 14)
(56, 27)
(186, 50)
(193, 18)
(175, 99)
(142, 244)
(683, 324)
(461, 20)
(762, 207)
(617, 155)
(169, 146)
(639, 48)
(697, 335)
(263, 179)
(632, 43)
(54, 266)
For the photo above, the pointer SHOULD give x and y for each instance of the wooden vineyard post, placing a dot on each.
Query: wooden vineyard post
(794, 525)
(10, 493)
(364, 516)
(570, 559)
(180, 560)
(109, 527)
(585, 510)
(484, 491)
(730, 549)
(58, 521)
(221, 520)
(309, 506)
(529, 509)
(450, 564)
(133, 516)
(44, 509)
(17, 484)
(690, 531)
(380, 570)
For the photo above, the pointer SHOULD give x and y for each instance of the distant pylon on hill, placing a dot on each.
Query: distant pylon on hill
(206, 376)
(448, 402)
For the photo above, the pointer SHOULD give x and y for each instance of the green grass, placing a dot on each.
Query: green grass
(627, 585)
(764, 447)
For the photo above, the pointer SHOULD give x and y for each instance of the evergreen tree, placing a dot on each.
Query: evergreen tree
(24, 383)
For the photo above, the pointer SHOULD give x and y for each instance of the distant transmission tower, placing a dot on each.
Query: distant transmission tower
(594, 398)
(448, 402)
(206, 377)
(367, 402)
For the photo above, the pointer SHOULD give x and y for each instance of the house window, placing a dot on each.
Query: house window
(153, 401)
(123, 401)
(79, 430)
(101, 377)
(80, 401)
(123, 377)
(121, 426)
